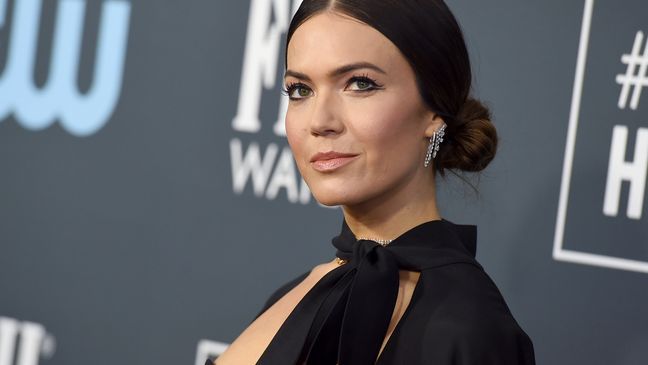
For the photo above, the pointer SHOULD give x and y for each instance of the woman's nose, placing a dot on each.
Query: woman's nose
(325, 118)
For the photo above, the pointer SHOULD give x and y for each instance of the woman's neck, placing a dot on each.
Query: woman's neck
(388, 218)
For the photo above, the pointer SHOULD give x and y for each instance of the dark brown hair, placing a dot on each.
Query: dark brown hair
(428, 35)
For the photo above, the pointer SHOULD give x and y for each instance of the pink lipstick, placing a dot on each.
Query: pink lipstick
(331, 161)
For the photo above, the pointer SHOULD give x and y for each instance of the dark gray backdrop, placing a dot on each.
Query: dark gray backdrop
(132, 244)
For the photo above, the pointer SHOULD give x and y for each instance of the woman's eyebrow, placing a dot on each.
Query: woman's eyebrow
(338, 71)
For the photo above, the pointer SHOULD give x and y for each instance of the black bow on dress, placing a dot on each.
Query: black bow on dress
(343, 319)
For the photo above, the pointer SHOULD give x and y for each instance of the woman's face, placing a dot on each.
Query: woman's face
(356, 123)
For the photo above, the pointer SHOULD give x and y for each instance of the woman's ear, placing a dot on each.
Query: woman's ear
(433, 123)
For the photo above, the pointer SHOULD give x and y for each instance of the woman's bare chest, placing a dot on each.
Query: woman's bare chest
(252, 342)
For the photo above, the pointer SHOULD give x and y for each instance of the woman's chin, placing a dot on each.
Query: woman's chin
(327, 197)
(334, 199)
(328, 201)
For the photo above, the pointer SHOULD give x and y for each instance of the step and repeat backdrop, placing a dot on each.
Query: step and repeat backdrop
(149, 203)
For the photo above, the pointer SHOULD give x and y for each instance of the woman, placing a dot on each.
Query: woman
(379, 103)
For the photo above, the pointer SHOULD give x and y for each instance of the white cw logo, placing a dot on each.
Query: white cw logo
(275, 168)
(32, 338)
(59, 99)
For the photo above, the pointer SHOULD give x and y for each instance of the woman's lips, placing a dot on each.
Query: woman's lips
(331, 163)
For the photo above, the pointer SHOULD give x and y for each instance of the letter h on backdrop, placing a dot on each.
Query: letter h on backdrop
(619, 170)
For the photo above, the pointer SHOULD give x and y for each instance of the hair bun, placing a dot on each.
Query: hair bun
(472, 140)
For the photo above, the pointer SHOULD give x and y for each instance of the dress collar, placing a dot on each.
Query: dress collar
(440, 241)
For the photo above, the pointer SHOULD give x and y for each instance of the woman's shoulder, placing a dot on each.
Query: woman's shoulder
(281, 291)
(285, 287)
(466, 292)
(465, 310)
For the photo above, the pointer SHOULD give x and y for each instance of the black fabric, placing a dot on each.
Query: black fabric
(456, 315)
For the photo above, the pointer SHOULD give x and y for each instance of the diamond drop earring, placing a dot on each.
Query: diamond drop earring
(433, 148)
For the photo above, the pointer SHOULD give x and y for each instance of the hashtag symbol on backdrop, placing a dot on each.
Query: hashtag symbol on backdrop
(636, 76)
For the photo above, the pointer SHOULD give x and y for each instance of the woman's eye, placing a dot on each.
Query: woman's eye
(303, 92)
(362, 84)
(297, 91)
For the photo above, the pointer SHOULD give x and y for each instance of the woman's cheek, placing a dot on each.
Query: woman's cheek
(377, 129)
(295, 140)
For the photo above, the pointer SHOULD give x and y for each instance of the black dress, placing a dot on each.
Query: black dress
(456, 315)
